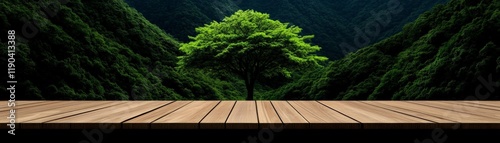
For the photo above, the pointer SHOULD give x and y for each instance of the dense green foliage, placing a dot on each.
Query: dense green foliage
(96, 49)
(450, 52)
(106, 50)
(333, 22)
(250, 45)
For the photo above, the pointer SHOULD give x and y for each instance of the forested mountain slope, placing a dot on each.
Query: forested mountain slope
(92, 49)
(95, 50)
(333, 22)
(450, 52)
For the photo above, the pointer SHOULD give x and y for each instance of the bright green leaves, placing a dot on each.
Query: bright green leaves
(254, 40)
(250, 45)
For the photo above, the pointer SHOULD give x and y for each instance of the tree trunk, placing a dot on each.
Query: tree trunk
(249, 82)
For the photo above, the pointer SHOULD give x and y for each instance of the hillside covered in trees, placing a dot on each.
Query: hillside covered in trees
(94, 50)
(450, 52)
(333, 22)
(108, 50)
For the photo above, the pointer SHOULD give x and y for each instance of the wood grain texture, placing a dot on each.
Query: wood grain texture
(217, 118)
(489, 103)
(268, 118)
(144, 121)
(486, 103)
(378, 118)
(276, 115)
(460, 108)
(321, 117)
(35, 112)
(474, 104)
(413, 110)
(187, 117)
(290, 117)
(466, 120)
(26, 104)
(79, 108)
(28, 112)
(112, 116)
(243, 116)
(21, 103)
(428, 113)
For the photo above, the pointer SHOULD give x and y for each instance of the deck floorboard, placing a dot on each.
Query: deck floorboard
(237, 115)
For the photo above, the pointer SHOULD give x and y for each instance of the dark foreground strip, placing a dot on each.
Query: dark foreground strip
(255, 136)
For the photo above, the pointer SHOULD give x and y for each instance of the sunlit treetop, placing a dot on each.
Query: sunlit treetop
(250, 44)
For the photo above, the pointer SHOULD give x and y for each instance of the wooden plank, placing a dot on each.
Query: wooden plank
(290, 117)
(20, 103)
(112, 116)
(378, 118)
(415, 110)
(29, 109)
(144, 121)
(24, 114)
(243, 116)
(457, 107)
(460, 108)
(412, 109)
(30, 113)
(490, 103)
(268, 118)
(444, 118)
(321, 117)
(474, 104)
(77, 108)
(255, 114)
(217, 118)
(26, 104)
(187, 117)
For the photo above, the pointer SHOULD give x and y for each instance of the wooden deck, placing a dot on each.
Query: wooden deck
(255, 114)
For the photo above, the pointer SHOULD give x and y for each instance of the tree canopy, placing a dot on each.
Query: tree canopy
(250, 45)
(333, 22)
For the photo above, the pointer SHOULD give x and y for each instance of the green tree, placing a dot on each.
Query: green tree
(250, 45)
